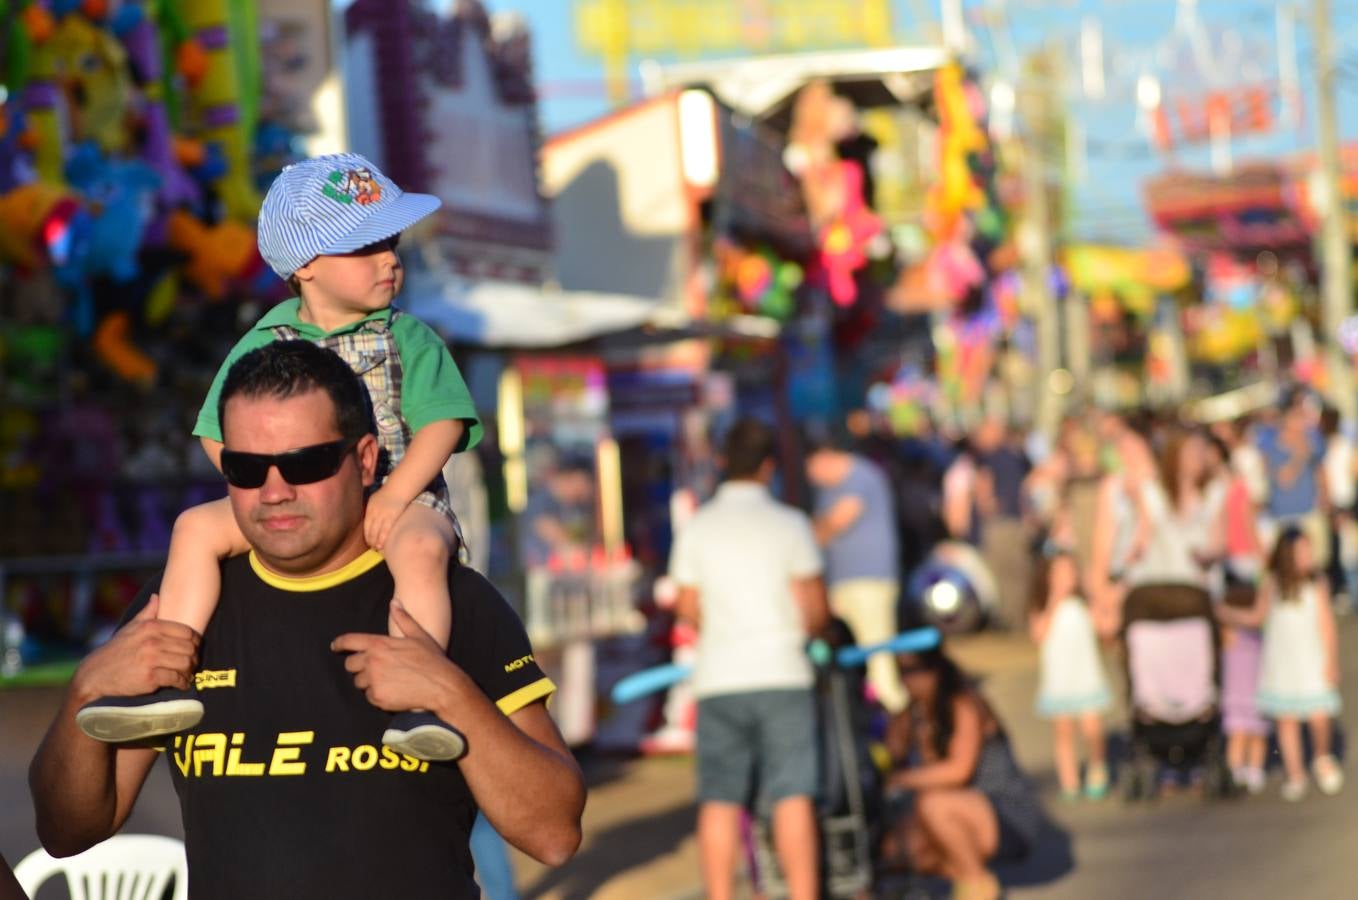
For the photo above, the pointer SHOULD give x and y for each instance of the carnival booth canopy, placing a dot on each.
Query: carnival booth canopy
(764, 87)
(1256, 208)
(509, 314)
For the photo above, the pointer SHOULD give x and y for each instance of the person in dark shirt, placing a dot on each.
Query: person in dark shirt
(285, 787)
(994, 514)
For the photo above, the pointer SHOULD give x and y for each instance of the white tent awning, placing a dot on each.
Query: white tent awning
(508, 314)
(755, 85)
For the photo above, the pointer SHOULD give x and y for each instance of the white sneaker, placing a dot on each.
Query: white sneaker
(1293, 791)
(1329, 777)
(1253, 780)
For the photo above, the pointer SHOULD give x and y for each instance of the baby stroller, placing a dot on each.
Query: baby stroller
(1173, 663)
(849, 805)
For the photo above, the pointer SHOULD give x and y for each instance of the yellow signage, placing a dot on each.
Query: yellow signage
(619, 29)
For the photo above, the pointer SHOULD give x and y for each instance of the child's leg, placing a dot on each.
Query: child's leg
(418, 550)
(1236, 742)
(1091, 724)
(1329, 777)
(189, 589)
(1256, 751)
(203, 536)
(1063, 752)
(1096, 768)
(1320, 735)
(1289, 744)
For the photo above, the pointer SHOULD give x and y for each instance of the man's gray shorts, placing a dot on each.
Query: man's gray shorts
(757, 744)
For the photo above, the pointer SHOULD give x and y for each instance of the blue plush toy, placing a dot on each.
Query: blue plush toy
(119, 194)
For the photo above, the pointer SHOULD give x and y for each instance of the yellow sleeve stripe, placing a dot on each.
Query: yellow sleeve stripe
(512, 703)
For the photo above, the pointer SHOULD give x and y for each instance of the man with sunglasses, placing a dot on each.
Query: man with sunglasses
(285, 787)
(329, 226)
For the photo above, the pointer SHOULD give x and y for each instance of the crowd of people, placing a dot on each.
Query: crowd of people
(1256, 513)
(1143, 546)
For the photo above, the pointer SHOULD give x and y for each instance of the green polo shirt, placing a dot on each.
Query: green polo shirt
(432, 388)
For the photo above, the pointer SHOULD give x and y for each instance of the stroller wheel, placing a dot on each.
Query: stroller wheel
(1139, 777)
(1218, 784)
(1131, 787)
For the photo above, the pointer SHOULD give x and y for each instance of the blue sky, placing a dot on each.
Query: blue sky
(1137, 34)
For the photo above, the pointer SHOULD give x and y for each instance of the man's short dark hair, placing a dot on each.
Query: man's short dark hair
(285, 369)
(749, 444)
(832, 439)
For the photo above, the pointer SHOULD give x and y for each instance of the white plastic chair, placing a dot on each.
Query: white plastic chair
(124, 867)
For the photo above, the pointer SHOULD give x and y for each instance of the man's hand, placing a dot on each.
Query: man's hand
(144, 655)
(398, 673)
(384, 508)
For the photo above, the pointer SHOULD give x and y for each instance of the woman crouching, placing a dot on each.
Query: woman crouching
(965, 801)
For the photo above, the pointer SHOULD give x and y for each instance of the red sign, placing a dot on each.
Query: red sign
(1230, 112)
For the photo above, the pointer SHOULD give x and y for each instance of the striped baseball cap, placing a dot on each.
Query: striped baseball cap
(330, 205)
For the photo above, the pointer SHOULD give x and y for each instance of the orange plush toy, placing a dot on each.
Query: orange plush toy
(218, 254)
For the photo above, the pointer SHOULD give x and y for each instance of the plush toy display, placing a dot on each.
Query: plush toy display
(216, 75)
(127, 134)
(217, 254)
(833, 188)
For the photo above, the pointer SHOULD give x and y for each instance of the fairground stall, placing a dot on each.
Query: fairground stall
(1251, 239)
(135, 141)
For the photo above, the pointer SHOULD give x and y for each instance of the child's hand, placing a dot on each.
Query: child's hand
(1332, 670)
(383, 511)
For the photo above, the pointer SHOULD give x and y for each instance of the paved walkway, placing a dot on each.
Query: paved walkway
(639, 822)
(639, 841)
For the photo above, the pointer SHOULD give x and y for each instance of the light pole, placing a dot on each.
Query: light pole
(1336, 248)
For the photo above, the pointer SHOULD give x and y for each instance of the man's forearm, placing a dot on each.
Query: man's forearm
(73, 782)
(531, 791)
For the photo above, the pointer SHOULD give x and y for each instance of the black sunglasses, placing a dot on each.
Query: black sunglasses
(305, 465)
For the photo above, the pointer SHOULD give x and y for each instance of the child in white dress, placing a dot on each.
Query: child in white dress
(1073, 690)
(1299, 662)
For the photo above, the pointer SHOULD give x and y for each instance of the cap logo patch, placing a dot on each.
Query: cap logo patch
(352, 186)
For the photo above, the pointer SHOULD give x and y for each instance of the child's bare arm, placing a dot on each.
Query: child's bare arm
(424, 459)
(1329, 639)
(1250, 616)
(1039, 623)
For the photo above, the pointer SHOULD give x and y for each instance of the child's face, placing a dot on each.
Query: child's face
(356, 283)
(1301, 554)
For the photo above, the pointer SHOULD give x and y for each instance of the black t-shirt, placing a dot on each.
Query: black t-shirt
(285, 787)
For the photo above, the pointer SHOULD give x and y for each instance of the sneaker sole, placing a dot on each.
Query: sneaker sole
(1330, 786)
(117, 724)
(428, 742)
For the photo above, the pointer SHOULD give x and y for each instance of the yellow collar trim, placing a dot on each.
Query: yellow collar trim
(350, 570)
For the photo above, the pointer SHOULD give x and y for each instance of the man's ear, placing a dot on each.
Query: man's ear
(368, 450)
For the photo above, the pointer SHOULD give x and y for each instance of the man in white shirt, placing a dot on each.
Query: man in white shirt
(749, 577)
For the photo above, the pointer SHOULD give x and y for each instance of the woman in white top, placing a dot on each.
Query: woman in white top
(1157, 525)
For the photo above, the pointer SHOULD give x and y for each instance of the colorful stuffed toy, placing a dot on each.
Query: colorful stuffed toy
(217, 254)
(215, 93)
